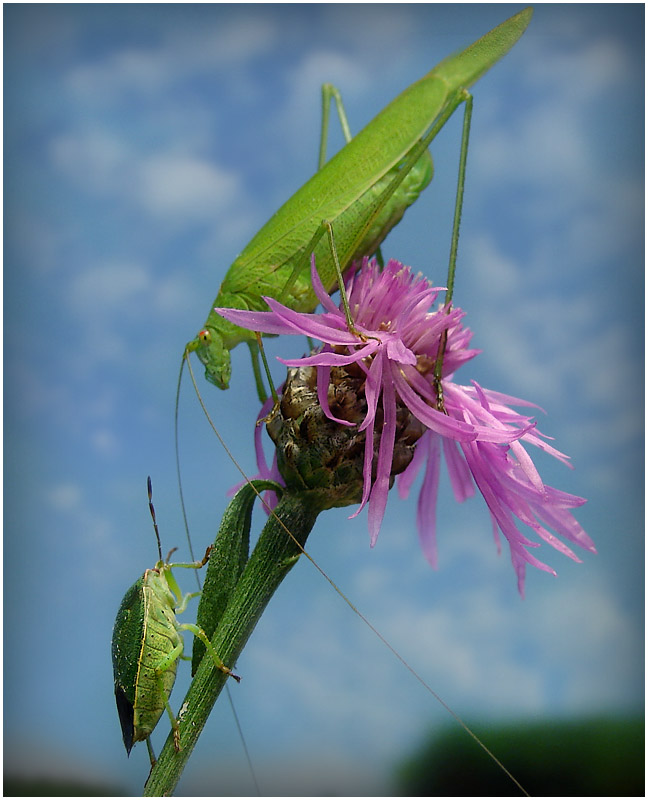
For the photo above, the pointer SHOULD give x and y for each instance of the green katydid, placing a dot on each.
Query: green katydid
(357, 196)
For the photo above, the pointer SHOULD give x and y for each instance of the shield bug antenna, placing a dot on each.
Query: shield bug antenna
(146, 645)
(149, 488)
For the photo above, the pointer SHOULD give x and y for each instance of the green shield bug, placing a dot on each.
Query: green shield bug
(146, 645)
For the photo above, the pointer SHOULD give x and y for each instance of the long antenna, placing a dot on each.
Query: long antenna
(189, 542)
(353, 608)
(149, 487)
(178, 471)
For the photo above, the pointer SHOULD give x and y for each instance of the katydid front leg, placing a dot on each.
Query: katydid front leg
(330, 94)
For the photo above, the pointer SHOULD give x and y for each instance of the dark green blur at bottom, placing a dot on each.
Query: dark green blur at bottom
(595, 757)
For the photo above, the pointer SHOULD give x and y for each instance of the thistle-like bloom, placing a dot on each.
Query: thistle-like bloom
(482, 437)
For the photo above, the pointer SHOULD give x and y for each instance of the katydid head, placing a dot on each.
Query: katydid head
(211, 350)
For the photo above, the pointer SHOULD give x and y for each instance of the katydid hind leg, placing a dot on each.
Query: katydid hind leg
(461, 180)
(340, 278)
(379, 204)
(303, 262)
(376, 206)
(331, 94)
(324, 228)
(454, 242)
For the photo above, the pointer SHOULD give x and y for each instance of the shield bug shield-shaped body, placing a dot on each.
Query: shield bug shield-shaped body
(146, 645)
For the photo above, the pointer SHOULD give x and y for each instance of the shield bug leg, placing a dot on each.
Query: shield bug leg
(200, 633)
(146, 645)
(151, 752)
(166, 664)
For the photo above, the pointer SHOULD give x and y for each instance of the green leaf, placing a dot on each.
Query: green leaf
(227, 561)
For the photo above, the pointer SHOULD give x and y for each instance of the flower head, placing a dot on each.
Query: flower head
(482, 437)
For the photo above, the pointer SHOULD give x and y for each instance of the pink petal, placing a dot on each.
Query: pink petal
(460, 479)
(408, 476)
(426, 511)
(327, 358)
(262, 321)
(433, 419)
(378, 500)
(373, 388)
(320, 292)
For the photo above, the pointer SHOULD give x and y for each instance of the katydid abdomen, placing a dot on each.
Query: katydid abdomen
(245, 285)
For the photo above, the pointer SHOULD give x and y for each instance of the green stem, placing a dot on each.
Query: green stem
(274, 555)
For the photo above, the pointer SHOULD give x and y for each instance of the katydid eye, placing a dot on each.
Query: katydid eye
(205, 336)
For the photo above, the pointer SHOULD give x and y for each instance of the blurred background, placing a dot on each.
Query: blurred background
(144, 146)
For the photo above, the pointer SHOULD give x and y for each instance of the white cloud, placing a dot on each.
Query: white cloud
(579, 70)
(185, 52)
(549, 148)
(95, 159)
(557, 652)
(336, 66)
(550, 132)
(111, 303)
(89, 533)
(580, 346)
(104, 294)
(65, 496)
(591, 636)
(109, 287)
(171, 185)
(387, 28)
(105, 442)
(177, 187)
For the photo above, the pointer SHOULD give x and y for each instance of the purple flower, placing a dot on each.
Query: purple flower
(482, 437)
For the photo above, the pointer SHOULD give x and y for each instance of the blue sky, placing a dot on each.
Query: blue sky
(144, 146)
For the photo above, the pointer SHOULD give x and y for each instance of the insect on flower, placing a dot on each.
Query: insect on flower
(482, 437)
(360, 194)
